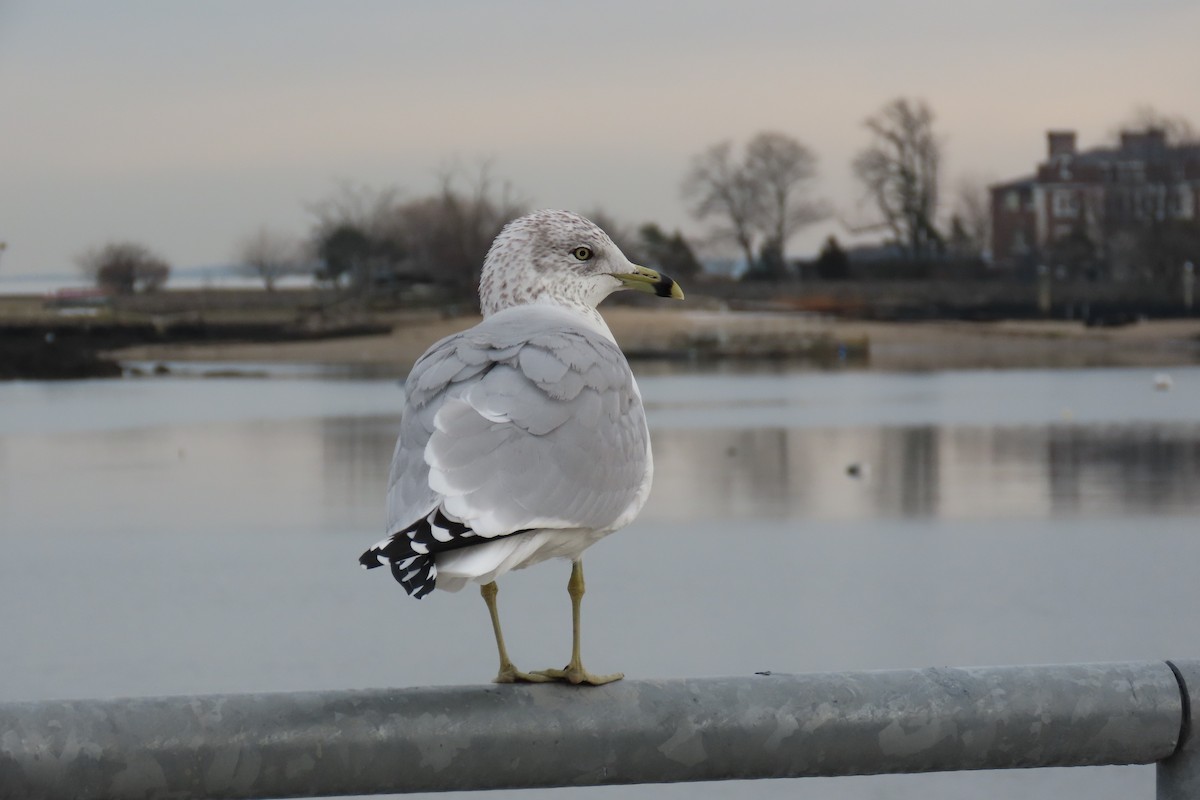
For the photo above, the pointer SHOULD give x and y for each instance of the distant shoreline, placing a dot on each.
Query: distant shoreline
(754, 336)
(43, 340)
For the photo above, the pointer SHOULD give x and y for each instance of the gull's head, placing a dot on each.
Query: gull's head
(562, 258)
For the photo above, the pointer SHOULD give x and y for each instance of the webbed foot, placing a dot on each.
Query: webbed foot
(510, 674)
(577, 675)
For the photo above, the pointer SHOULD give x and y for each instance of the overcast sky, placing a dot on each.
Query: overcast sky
(187, 126)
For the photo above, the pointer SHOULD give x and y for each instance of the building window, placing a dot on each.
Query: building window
(1066, 203)
(1131, 172)
(1012, 201)
(1183, 203)
(1152, 203)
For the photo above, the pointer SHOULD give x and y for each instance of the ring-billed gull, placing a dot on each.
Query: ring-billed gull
(524, 437)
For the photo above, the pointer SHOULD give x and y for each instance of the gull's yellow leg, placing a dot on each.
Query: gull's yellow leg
(508, 673)
(574, 672)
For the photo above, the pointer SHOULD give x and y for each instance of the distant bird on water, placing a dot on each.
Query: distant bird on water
(524, 437)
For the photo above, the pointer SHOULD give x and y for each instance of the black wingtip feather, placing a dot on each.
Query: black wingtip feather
(410, 552)
(416, 573)
(421, 576)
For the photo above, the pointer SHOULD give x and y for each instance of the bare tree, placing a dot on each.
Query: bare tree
(468, 219)
(358, 234)
(717, 187)
(782, 171)
(378, 240)
(1179, 129)
(270, 255)
(899, 171)
(364, 206)
(125, 268)
(761, 200)
(973, 209)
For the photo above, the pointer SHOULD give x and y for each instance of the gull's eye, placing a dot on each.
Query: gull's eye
(582, 253)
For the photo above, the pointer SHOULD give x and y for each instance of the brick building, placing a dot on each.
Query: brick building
(1092, 207)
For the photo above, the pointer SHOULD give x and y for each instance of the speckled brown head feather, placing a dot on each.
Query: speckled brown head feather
(534, 259)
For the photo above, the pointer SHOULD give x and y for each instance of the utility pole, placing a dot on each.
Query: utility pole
(1189, 285)
(1043, 289)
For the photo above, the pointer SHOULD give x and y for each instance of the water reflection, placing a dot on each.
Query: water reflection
(1141, 469)
(332, 470)
(927, 471)
(355, 455)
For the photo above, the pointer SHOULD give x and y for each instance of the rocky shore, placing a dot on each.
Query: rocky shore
(42, 355)
(82, 348)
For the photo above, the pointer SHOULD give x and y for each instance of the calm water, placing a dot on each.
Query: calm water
(183, 535)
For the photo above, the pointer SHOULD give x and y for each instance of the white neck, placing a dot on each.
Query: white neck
(582, 315)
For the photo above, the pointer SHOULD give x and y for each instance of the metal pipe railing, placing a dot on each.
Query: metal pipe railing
(491, 737)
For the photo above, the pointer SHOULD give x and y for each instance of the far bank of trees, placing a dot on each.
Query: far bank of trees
(369, 243)
(369, 240)
(752, 197)
(364, 238)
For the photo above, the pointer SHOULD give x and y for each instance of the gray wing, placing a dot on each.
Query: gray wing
(521, 422)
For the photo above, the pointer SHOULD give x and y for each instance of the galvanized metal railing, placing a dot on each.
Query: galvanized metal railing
(491, 737)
